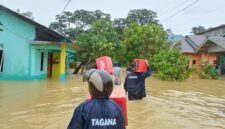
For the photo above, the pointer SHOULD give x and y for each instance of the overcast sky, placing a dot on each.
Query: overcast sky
(208, 13)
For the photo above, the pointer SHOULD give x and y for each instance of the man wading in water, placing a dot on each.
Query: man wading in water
(135, 82)
(100, 112)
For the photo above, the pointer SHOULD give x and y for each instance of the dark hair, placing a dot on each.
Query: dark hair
(107, 87)
(133, 66)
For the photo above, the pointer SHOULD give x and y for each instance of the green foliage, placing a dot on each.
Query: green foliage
(94, 32)
(171, 65)
(208, 71)
(72, 24)
(198, 29)
(120, 25)
(143, 41)
(142, 17)
(27, 14)
(101, 40)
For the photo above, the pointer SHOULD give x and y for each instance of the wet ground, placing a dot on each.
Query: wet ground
(192, 104)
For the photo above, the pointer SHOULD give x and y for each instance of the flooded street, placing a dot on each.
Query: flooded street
(192, 104)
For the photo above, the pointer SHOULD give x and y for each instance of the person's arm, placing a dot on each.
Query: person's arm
(121, 72)
(77, 121)
(148, 72)
(125, 83)
(121, 121)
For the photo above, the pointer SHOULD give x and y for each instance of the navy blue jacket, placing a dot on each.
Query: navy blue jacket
(97, 114)
(135, 84)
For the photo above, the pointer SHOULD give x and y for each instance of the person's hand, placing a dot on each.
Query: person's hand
(146, 61)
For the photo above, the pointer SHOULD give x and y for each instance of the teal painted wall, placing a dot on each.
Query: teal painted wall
(35, 64)
(16, 47)
(67, 64)
(55, 48)
(21, 60)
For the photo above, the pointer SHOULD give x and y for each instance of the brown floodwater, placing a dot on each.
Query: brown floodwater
(192, 104)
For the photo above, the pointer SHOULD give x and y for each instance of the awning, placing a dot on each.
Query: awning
(56, 43)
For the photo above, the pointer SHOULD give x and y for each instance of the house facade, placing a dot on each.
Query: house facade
(29, 50)
(206, 46)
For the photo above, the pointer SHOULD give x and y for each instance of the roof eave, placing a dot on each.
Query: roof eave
(33, 22)
(55, 43)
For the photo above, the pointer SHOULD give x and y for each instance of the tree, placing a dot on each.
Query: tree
(101, 40)
(27, 14)
(72, 24)
(143, 41)
(120, 25)
(142, 16)
(59, 27)
(171, 65)
(198, 29)
(98, 14)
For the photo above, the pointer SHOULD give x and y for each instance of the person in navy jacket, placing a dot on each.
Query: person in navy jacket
(134, 83)
(100, 112)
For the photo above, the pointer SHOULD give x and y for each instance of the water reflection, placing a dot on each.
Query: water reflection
(193, 104)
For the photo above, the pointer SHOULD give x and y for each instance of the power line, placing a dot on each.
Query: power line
(66, 6)
(180, 10)
(175, 7)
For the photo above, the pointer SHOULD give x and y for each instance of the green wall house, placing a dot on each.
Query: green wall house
(29, 50)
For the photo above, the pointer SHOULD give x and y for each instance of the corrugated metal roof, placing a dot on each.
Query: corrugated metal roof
(190, 43)
(186, 47)
(218, 40)
(197, 39)
(212, 29)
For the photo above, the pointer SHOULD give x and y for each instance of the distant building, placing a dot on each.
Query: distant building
(29, 50)
(206, 46)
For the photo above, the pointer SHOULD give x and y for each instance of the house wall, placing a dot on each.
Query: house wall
(68, 64)
(36, 51)
(35, 60)
(15, 40)
(208, 57)
(200, 59)
(22, 61)
(197, 58)
(56, 50)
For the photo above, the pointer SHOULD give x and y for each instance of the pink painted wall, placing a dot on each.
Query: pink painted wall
(201, 58)
(209, 57)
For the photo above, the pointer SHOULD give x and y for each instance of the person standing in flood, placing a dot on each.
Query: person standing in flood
(117, 73)
(134, 83)
(100, 112)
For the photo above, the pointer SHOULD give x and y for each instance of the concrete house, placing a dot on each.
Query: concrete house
(29, 50)
(206, 46)
(189, 45)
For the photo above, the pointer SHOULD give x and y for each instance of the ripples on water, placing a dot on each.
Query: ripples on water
(193, 104)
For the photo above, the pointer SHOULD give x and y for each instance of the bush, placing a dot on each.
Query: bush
(208, 71)
(171, 65)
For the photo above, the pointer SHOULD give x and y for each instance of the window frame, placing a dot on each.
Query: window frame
(42, 61)
(194, 62)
